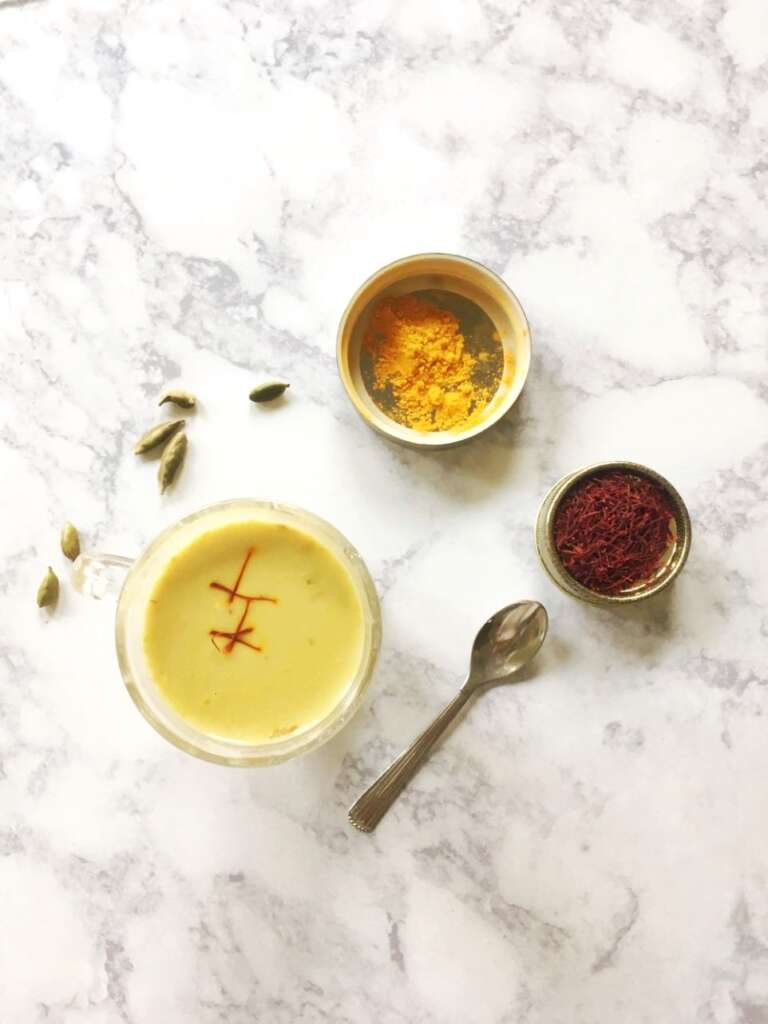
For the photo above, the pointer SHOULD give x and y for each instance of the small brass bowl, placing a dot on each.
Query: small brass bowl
(661, 579)
(445, 273)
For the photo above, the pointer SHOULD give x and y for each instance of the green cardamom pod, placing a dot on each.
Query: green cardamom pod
(158, 435)
(48, 591)
(183, 399)
(172, 460)
(268, 391)
(70, 541)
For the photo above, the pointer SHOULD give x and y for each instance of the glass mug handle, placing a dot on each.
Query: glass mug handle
(100, 575)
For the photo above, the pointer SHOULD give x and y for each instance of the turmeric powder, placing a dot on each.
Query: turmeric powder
(420, 359)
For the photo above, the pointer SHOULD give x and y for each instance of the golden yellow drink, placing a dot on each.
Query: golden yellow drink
(253, 631)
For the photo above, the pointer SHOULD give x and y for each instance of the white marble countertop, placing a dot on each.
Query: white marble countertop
(189, 193)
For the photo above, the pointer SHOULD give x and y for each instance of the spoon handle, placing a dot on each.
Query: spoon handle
(366, 812)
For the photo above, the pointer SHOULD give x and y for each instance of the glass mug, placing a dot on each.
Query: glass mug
(97, 575)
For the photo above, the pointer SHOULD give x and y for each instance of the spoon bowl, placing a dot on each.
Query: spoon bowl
(506, 643)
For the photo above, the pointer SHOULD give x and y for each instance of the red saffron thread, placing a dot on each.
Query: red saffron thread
(236, 635)
(612, 530)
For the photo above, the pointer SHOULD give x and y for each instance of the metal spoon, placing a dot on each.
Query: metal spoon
(507, 642)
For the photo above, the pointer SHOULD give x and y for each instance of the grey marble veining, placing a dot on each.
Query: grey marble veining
(190, 193)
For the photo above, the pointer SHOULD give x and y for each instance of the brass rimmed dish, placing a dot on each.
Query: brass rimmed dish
(430, 272)
(670, 566)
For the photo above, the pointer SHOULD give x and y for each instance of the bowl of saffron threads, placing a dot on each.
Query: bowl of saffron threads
(613, 533)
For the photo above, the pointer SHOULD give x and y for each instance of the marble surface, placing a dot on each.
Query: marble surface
(189, 192)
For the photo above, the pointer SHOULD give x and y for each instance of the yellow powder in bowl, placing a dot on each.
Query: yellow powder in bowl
(420, 358)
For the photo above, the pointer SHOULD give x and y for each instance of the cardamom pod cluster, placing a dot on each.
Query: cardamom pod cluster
(171, 436)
